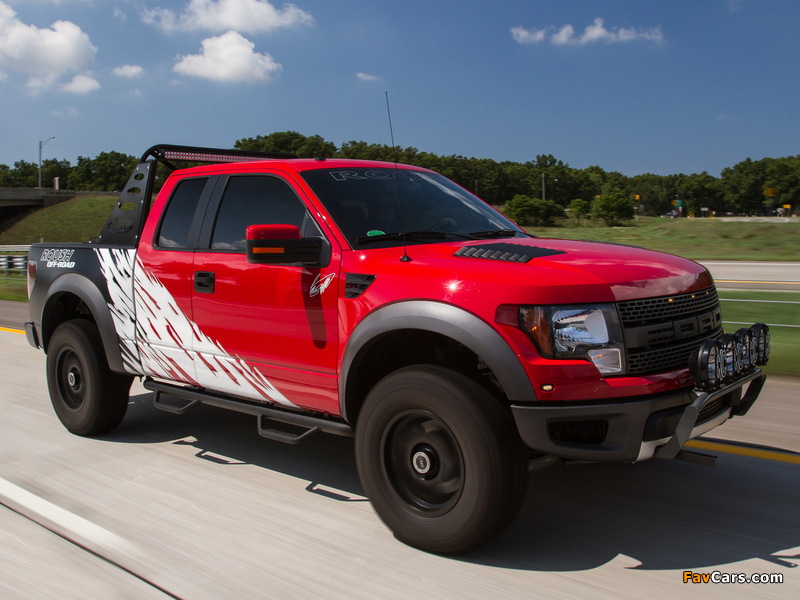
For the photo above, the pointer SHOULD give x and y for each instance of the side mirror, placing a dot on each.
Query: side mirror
(281, 245)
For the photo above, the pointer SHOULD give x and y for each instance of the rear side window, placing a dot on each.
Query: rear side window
(254, 200)
(177, 221)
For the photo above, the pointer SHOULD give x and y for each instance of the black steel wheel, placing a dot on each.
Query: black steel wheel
(423, 461)
(87, 396)
(439, 459)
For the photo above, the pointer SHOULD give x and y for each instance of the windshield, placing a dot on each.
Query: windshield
(381, 207)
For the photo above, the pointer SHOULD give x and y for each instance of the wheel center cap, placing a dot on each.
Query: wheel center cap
(73, 379)
(421, 462)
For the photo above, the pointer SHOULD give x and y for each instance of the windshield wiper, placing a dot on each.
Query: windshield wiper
(420, 234)
(496, 233)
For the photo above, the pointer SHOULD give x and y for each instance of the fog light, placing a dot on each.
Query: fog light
(706, 364)
(732, 350)
(761, 335)
(749, 348)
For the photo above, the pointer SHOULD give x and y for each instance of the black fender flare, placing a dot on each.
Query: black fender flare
(447, 320)
(87, 291)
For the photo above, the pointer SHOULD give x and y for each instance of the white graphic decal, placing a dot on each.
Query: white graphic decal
(116, 264)
(320, 284)
(171, 346)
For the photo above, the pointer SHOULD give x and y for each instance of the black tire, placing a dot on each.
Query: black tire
(87, 396)
(439, 458)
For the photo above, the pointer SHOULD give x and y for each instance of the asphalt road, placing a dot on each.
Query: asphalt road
(781, 276)
(200, 507)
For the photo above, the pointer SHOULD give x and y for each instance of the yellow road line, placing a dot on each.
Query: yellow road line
(766, 282)
(745, 451)
(11, 330)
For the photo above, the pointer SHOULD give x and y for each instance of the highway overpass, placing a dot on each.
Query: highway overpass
(22, 197)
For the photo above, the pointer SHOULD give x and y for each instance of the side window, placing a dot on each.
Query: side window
(177, 221)
(254, 200)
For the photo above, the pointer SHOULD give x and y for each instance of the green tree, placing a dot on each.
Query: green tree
(290, 142)
(613, 209)
(525, 210)
(656, 192)
(579, 208)
(743, 187)
(783, 177)
(23, 174)
(700, 190)
(107, 172)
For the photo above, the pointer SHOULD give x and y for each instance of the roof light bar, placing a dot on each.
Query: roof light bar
(165, 152)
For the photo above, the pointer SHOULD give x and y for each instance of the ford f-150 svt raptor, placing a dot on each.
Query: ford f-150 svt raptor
(384, 301)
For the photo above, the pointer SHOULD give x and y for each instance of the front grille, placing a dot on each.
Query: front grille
(661, 333)
(667, 307)
(663, 359)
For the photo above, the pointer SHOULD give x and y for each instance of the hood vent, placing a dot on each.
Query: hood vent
(505, 252)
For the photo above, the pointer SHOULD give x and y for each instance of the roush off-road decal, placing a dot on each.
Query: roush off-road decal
(57, 258)
(143, 309)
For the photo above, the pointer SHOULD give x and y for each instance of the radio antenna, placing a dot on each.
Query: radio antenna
(405, 257)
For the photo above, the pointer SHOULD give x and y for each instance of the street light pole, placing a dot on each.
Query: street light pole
(544, 195)
(544, 192)
(42, 145)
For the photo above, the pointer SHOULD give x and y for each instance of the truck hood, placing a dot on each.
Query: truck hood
(545, 270)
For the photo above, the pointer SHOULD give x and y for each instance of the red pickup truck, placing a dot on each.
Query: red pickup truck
(385, 302)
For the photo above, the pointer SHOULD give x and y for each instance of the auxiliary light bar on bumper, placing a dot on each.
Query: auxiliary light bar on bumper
(654, 426)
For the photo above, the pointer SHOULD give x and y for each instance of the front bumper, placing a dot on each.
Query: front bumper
(636, 429)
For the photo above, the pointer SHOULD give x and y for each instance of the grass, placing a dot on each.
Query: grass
(698, 239)
(774, 309)
(76, 220)
(13, 288)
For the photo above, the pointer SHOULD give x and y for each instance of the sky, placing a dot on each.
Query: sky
(635, 86)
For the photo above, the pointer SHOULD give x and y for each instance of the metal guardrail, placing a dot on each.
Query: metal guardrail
(13, 263)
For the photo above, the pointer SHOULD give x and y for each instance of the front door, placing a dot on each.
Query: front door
(269, 331)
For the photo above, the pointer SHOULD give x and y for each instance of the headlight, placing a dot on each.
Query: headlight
(591, 332)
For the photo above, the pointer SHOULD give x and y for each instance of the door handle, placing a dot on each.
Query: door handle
(204, 282)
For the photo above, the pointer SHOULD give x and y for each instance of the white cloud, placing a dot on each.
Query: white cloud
(367, 77)
(594, 33)
(45, 55)
(128, 71)
(83, 83)
(526, 36)
(250, 16)
(67, 112)
(228, 58)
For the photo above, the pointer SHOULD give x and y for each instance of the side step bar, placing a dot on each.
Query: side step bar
(179, 400)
